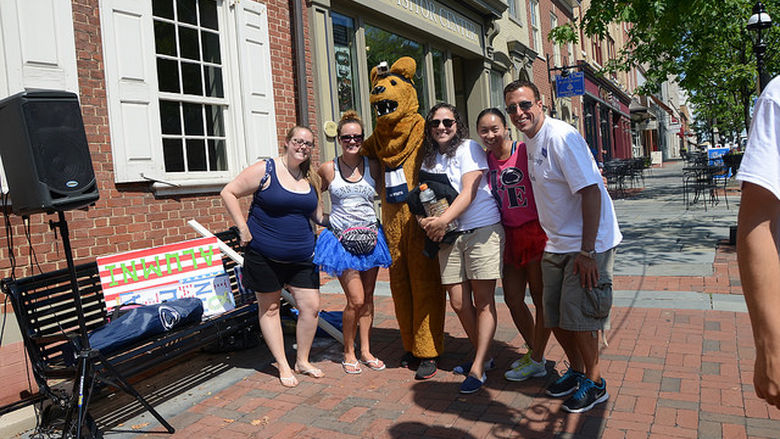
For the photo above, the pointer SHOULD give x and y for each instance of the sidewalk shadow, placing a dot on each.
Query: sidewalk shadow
(418, 429)
(529, 414)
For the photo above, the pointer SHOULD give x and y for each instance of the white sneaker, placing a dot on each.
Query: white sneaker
(520, 361)
(531, 369)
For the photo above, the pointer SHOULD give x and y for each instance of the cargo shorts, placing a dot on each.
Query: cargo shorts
(569, 306)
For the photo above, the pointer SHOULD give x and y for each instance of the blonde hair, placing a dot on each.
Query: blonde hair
(305, 167)
(349, 116)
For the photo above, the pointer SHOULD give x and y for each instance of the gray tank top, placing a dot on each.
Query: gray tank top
(352, 203)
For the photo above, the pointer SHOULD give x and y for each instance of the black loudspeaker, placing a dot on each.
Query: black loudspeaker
(45, 152)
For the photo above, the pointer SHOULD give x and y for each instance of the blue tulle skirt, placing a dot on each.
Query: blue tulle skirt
(333, 259)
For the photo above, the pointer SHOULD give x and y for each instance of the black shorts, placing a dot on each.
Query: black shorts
(263, 275)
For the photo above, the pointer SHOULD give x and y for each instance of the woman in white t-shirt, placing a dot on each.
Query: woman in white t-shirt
(472, 263)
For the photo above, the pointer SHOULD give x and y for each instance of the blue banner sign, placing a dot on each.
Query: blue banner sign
(715, 156)
(572, 84)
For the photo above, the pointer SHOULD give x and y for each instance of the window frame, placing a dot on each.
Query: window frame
(535, 25)
(224, 102)
(249, 118)
(557, 59)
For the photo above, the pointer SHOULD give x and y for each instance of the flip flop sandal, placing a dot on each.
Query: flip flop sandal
(375, 364)
(351, 368)
(288, 381)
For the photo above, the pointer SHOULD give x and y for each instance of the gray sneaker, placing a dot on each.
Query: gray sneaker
(531, 369)
(521, 361)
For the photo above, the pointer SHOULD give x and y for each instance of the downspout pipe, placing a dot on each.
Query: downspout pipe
(300, 64)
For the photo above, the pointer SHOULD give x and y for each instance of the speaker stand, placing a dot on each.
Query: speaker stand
(87, 357)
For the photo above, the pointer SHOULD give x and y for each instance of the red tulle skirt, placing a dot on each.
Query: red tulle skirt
(524, 244)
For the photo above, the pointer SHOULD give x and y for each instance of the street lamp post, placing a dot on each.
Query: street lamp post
(759, 21)
(564, 72)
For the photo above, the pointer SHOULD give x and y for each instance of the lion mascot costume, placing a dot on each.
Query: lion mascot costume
(396, 142)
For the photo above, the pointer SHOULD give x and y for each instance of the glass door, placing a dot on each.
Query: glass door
(382, 45)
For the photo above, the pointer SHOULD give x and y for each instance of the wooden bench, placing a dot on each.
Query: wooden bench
(46, 311)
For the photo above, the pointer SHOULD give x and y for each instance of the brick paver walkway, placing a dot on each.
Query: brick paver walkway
(670, 373)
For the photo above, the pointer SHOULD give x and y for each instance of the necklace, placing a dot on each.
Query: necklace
(351, 168)
(298, 176)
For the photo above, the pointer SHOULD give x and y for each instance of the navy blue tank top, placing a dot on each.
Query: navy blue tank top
(279, 221)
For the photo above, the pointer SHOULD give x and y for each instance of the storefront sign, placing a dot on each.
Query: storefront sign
(440, 16)
(185, 269)
(572, 84)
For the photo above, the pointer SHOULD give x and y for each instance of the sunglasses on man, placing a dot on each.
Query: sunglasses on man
(524, 105)
(348, 137)
(434, 123)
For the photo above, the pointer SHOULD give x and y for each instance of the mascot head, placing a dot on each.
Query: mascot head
(393, 96)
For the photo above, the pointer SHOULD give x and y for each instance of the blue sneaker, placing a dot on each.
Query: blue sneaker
(566, 384)
(471, 384)
(464, 368)
(587, 396)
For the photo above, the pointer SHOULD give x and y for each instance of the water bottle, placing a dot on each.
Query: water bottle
(434, 207)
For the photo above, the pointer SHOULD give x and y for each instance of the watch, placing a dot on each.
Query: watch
(588, 254)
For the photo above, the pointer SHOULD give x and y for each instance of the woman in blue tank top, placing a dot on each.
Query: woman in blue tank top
(280, 244)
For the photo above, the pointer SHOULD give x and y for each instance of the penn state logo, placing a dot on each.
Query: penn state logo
(511, 176)
(168, 316)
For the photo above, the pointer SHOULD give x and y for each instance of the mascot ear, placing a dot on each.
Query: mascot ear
(373, 76)
(405, 66)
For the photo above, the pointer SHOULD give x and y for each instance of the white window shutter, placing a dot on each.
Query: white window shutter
(131, 89)
(37, 49)
(39, 46)
(259, 116)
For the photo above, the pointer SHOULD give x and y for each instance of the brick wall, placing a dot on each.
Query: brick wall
(130, 216)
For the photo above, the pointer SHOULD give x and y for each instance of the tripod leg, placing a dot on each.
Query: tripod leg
(134, 393)
(78, 394)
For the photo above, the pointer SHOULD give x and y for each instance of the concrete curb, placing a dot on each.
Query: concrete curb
(621, 298)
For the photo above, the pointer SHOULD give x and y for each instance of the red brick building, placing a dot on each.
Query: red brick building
(177, 98)
(543, 16)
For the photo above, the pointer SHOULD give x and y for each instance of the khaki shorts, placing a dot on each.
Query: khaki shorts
(569, 306)
(475, 254)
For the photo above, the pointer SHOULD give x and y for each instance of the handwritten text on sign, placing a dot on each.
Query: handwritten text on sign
(186, 269)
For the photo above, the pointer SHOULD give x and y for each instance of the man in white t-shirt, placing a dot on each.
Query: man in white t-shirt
(758, 239)
(577, 214)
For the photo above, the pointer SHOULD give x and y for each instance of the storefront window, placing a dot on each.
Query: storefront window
(345, 53)
(382, 45)
(439, 77)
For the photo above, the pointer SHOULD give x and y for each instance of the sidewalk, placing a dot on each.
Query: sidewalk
(679, 361)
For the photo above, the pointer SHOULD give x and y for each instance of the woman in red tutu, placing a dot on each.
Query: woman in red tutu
(525, 239)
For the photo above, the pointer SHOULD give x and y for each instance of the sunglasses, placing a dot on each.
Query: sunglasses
(434, 123)
(301, 142)
(525, 106)
(355, 137)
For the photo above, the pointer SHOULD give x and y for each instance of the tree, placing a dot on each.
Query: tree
(702, 43)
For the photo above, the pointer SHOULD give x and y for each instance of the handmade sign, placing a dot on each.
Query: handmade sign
(185, 269)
